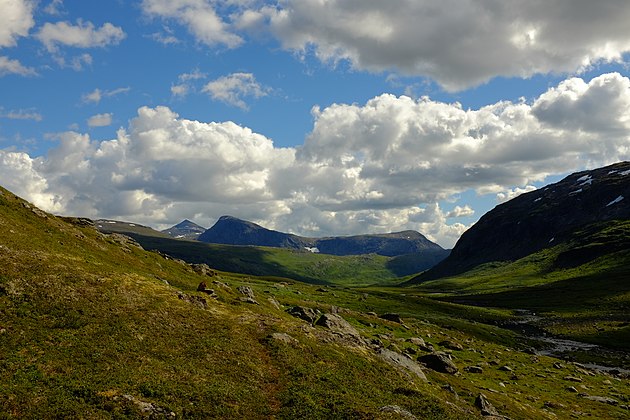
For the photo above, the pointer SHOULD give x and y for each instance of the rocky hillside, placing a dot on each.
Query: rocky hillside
(540, 219)
(232, 231)
(185, 230)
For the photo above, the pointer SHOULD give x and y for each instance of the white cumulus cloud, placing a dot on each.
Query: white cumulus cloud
(381, 166)
(81, 35)
(100, 120)
(234, 88)
(16, 19)
(9, 66)
(198, 16)
(458, 43)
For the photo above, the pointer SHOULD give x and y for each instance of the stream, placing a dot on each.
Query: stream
(527, 325)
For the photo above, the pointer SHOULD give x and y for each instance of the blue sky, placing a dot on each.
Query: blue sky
(319, 118)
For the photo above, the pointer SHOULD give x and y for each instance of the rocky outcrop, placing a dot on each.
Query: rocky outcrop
(307, 314)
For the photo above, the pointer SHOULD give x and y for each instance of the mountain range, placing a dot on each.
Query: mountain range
(233, 231)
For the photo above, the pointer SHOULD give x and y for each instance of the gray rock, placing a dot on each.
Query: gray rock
(505, 369)
(417, 341)
(248, 293)
(283, 338)
(605, 400)
(399, 361)
(338, 325)
(451, 345)
(304, 313)
(487, 409)
(439, 362)
(394, 409)
(474, 369)
(274, 302)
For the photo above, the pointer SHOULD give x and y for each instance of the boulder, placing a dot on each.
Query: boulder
(392, 317)
(401, 362)
(417, 341)
(474, 369)
(248, 293)
(282, 338)
(439, 362)
(304, 313)
(451, 345)
(338, 325)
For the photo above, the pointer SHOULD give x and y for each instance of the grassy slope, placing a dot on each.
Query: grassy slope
(582, 286)
(86, 320)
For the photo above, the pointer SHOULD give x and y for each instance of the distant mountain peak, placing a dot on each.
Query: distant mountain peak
(185, 229)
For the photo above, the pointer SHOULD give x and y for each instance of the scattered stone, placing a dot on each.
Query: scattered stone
(541, 375)
(605, 400)
(274, 302)
(400, 361)
(487, 409)
(572, 379)
(397, 410)
(338, 325)
(439, 362)
(372, 314)
(321, 289)
(558, 365)
(451, 345)
(249, 295)
(417, 341)
(203, 270)
(283, 338)
(392, 317)
(474, 369)
(304, 313)
(221, 284)
(198, 301)
(203, 287)
(149, 409)
(553, 405)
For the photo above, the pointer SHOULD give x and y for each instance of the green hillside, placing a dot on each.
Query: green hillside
(351, 270)
(581, 287)
(92, 326)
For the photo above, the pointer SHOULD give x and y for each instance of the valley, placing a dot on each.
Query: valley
(110, 319)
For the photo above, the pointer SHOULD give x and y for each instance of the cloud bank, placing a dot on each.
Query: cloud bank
(457, 43)
(374, 167)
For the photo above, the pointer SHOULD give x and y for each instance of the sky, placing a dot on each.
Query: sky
(315, 117)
